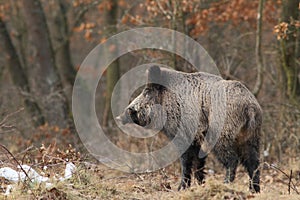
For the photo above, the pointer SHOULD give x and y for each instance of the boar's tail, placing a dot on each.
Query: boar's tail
(254, 118)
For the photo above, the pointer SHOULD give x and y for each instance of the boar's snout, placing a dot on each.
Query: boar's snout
(123, 119)
(129, 116)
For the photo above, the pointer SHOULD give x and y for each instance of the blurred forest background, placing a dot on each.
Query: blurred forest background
(43, 43)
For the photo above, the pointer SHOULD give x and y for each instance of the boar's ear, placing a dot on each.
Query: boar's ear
(154, 74)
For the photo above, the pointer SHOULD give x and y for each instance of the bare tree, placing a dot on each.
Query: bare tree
(17, 74)
(258, 51)
(61, 43)
(290, 49)
(112, 75)
(44, 78)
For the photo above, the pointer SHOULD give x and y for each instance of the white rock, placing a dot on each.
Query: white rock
(11, 174)
(8, 190)
(69, 170)
(33, 175)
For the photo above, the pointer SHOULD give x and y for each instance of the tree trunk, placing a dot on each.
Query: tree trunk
(60, 31)
(258, 52)
(113, 72)
(18, 76)
(20, 36)
(44, 78)
(290, 50)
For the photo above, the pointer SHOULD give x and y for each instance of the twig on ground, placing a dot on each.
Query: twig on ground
(290, 180)
(17, 162)
(291, 184)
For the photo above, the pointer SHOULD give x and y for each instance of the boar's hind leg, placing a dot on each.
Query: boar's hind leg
(227, 155)
(186, 161)
(231, 169)
(199, 169)
(251, 163)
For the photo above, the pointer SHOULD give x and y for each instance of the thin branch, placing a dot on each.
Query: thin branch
(291, 184)
(166, 13)
(22, 169)
(9, 115)
(127, 13)
(78, 18)
(81, 14)
(14, 158)
(290, 180)
(258, 52)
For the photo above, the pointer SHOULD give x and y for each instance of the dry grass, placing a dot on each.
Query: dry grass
(95, 181)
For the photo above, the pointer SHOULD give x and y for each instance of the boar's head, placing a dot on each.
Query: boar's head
(146, 110)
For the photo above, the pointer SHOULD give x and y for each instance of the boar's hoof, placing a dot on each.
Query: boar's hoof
(184, 184)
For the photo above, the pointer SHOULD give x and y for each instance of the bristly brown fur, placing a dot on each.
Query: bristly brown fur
(239, 138)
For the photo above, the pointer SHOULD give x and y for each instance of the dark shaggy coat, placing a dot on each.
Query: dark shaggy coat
(209, 113)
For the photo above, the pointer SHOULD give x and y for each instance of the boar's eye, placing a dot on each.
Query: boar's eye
(147, 91)
(132, 111)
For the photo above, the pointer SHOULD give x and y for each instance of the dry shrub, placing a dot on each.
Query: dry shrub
(281, 132)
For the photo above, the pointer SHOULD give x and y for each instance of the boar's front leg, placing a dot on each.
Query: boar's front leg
(199, 169)
(186, 161)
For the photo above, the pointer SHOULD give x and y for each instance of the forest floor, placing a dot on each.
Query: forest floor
(93, 180)
(104, 183)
